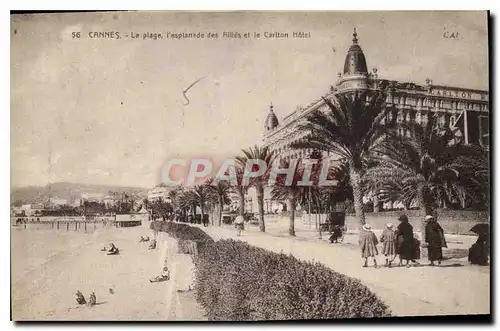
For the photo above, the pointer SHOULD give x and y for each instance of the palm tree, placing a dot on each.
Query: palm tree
(294, 193)
(387, 185)
(202, 194)
(240, 188)
(474, 170)
(353, 127)
(187, 200)
(430, 165)
(173, 196)
(221, 192)
(265, 155)
(343, 190)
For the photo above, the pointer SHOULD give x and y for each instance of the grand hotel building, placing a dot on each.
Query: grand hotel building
(466, 109)
(456, 107)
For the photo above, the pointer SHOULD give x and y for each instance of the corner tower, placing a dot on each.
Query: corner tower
(355, 75)
(271, 120)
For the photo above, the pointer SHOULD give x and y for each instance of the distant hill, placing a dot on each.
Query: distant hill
(69, 191)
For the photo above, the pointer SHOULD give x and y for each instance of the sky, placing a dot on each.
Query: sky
(111, 111)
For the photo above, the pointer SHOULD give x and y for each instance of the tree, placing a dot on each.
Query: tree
(294, 193)
(146, 204)
(173, 196)
(265, 155)
(353, 127)
(429, 164)
(240, 189)
(202, 194)
(185, 200)
(124, 201)
(343, 190)
(161, 208)
(221, 193)
(474, 170)
(387, 186)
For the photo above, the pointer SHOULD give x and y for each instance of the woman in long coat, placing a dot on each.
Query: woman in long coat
(368, 244)
(434, 237)
(405, 241)
(388, 238)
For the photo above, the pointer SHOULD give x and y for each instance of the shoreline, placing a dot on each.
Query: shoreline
(45, 290)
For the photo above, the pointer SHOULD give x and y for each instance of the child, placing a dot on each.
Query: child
(388, 238)
(368, 244)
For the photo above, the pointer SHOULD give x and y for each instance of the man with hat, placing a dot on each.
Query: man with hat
(368, 244)
(434, 238)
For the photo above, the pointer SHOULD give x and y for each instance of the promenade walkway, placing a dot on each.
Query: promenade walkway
(452, 288)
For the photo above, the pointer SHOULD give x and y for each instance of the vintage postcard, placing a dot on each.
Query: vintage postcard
(248, 166)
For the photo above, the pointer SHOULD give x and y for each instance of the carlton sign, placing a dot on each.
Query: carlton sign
(459, 94)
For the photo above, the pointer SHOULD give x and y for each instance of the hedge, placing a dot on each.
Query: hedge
(239, 282)
(183, 233)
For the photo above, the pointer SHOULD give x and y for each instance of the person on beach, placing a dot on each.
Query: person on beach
(405, 241)
(238, 223)
(113, 250)
(368, 244)
(388, 239)
(165, 275)
(80, 299)
(434, 239)
(92, 299)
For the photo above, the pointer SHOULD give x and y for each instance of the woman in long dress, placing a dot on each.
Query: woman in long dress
(368, 244)
(405, 241)
(434, 238)
(388, 239)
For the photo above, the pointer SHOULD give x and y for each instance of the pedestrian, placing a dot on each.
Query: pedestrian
(405, 241)
(238, 223)
(434, 238)
(388, 238)
(368, 244)
(480, 250)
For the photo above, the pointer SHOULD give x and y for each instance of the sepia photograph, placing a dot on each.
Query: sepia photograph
(250, 166)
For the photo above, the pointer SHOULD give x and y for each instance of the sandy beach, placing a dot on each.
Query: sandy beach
(49, 266)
